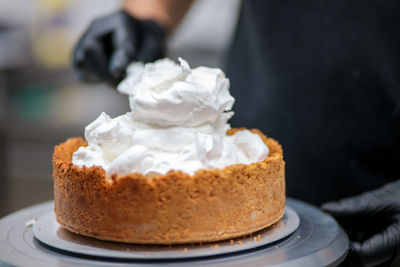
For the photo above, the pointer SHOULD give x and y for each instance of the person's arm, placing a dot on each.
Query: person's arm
(167, 13)
(135, 33)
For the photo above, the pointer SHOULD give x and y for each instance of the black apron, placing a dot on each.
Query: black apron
(323, 78)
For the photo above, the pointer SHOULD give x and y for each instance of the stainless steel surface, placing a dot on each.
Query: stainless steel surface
(48, 231)
(318, 241)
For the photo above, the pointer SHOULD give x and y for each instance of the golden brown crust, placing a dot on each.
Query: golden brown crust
(174, 208)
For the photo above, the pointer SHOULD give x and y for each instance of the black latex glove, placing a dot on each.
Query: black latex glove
(372, 221)
(111, 43)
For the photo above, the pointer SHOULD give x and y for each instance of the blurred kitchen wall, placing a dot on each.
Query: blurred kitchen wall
(41, 103)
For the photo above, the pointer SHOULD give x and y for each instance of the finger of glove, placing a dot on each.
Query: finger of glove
(87, 50)
(96, 28)
(124, 42)
(124, 53)
(96, 64)
(118, 62)
(366, 203)
(85, 73)
(78, 60)
(378, 249)
(152, 43)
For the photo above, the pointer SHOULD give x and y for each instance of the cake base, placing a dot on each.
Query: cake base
(174, 208)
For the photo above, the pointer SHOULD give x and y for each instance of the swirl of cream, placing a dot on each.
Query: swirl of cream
(166, 94)
(178, 122)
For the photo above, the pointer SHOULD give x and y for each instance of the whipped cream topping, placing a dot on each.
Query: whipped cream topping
(178, 121)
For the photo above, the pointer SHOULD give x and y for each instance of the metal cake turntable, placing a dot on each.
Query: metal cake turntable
(305, 236)
(48, 231)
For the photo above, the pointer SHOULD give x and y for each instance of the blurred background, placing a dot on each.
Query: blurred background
(42, 104)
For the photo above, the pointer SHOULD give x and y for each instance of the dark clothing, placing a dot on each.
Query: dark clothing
(323, 78)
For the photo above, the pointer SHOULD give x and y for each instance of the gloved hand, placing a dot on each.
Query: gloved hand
(372, 221)
(111, 43)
